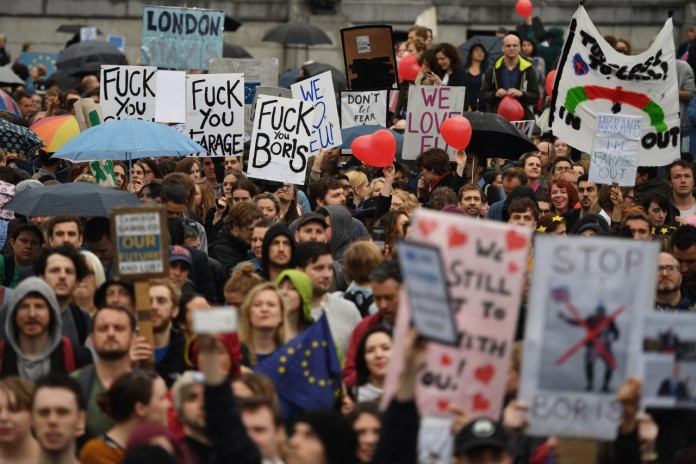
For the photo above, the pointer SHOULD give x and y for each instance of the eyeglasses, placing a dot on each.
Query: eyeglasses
(562, 168)
(670, 268)
(285, 187)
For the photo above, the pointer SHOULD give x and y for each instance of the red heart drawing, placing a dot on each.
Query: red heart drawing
(481, 403)
(426, 227)
(457, 238)
(445, 360)
(515, 240)
(442, 405)
(512, 268)
(485, 373)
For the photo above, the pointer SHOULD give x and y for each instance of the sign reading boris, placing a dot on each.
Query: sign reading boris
(128, 92)
(281, 139)
(215, 112)
(181, 38)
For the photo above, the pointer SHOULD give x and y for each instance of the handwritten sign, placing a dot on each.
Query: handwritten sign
(615, 149)
(280, 140)
(484, 263)
(364, 108)
(582, 338)
(319, 91)
(128, 92)
(428, 107)
(669, 359)
(181, 38)
(215, 112)
(171, 96)
(141, 242)
(424, 278)
(368, 55)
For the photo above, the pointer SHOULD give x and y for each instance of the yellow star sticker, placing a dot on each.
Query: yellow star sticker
(541, 229)
(664, 230)
(557, 218)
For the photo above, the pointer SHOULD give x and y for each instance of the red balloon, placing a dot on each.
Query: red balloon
(408, 67)
(456, 132)
(524, 8)
(377, 149)
(550, 80)
(511, 109)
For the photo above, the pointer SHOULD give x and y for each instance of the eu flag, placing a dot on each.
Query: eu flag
(306, 371)
(250, 91)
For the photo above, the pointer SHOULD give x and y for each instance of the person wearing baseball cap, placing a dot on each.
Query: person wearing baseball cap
(180, 264)
(482, 441)
(311, 227)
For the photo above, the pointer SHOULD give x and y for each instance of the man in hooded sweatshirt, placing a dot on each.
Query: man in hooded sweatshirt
(34, 345)
(343, 229)
(277, 252)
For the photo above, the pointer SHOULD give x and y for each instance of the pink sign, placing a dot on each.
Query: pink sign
(485, 263)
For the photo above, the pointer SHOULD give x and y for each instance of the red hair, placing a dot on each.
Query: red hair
(234, 348)
(570, 189)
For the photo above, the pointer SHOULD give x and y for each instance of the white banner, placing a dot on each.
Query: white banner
(280, 140)
(215, 112)
(582, 338)
(364, 108)
(615, 150)
(594, 78)
(128, 92)
(319, 91)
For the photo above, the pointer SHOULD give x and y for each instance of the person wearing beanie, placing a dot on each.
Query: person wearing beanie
(296, 288)
(277, 252)
(115, 293)
(322, 437)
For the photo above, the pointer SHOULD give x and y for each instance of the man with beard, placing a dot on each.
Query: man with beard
(187, 394)
(113, 331)
(470, 200)
(669, 279)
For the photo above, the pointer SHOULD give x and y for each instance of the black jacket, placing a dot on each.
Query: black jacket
(173, 363)
(229, 250)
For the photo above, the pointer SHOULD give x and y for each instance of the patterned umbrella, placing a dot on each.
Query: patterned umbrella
(8, 104)
(18, 139)
(56, 131)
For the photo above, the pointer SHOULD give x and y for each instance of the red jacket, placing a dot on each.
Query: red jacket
(349, 374)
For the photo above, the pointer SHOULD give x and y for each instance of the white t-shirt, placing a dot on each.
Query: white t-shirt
(688, 212)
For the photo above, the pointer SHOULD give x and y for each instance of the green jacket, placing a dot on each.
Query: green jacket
(528, 84)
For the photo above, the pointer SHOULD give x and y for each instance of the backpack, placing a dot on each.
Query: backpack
(80, 323)
(68, 354)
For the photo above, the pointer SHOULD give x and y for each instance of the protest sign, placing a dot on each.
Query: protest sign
(128, 92)
(615, 150)
(181, 38)
(669, 359)
(89, 114)
(141, 242)
(319, 91)
(485, 263)
(594, 78)
(428, 107)
(117, 41)
(583, 338)
(363, 108)
(32, 59)
(280, 140)
(258, 72)
(271, 91)
(215, 112)
(368, 54)
(88, 33)
(171, 101)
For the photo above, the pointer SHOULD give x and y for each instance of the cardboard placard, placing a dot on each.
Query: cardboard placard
(364, 108)
(484, 263)
(215, 112)
(181, 38)
(368, 54)
(615, 150)
(582, 340)
(428, 107)
(128, 92)
(140, 239)
(88, 33)
(171, 96)
(280, 140)
(319, 91)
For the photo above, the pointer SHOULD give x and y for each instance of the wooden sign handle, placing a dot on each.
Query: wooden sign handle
(144, 317)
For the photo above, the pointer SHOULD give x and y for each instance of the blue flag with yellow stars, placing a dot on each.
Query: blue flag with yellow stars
(250, 91)
(306, 371)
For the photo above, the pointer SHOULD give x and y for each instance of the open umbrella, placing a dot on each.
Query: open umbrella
(18, 139)
(493, 136)
(288, 78)
(8, 77)
(8, 104)
(91, 51)
(493, 46)
(65, 79)
(296, 33)
(74, 28)
(314, 69)
(234, 51)
(126, 140)
(75, 198)
(55, 131)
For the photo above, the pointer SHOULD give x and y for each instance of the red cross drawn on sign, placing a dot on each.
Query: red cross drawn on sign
(592, 333)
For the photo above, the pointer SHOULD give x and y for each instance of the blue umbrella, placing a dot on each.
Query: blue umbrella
(75, 198)
(350, 134)
(126, 140)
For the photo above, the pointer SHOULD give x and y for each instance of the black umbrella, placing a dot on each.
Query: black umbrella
(65, 79)
(234, 51)
(493, 46)
(314, 69)
(91, 51)
(18, 139)
(75, 198)
(296, 33)
(231, 24)
(493, 136)
(74, 28)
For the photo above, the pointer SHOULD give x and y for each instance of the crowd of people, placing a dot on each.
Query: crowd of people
(75, 385)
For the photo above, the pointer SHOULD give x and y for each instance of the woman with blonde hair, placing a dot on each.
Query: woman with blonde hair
(375, 187)
(83, 295)
(204, 198)
(261, 323)
(243, 279)
(358, 183)
(404, 201)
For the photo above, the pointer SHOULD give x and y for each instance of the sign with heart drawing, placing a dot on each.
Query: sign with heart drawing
(484, 264)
